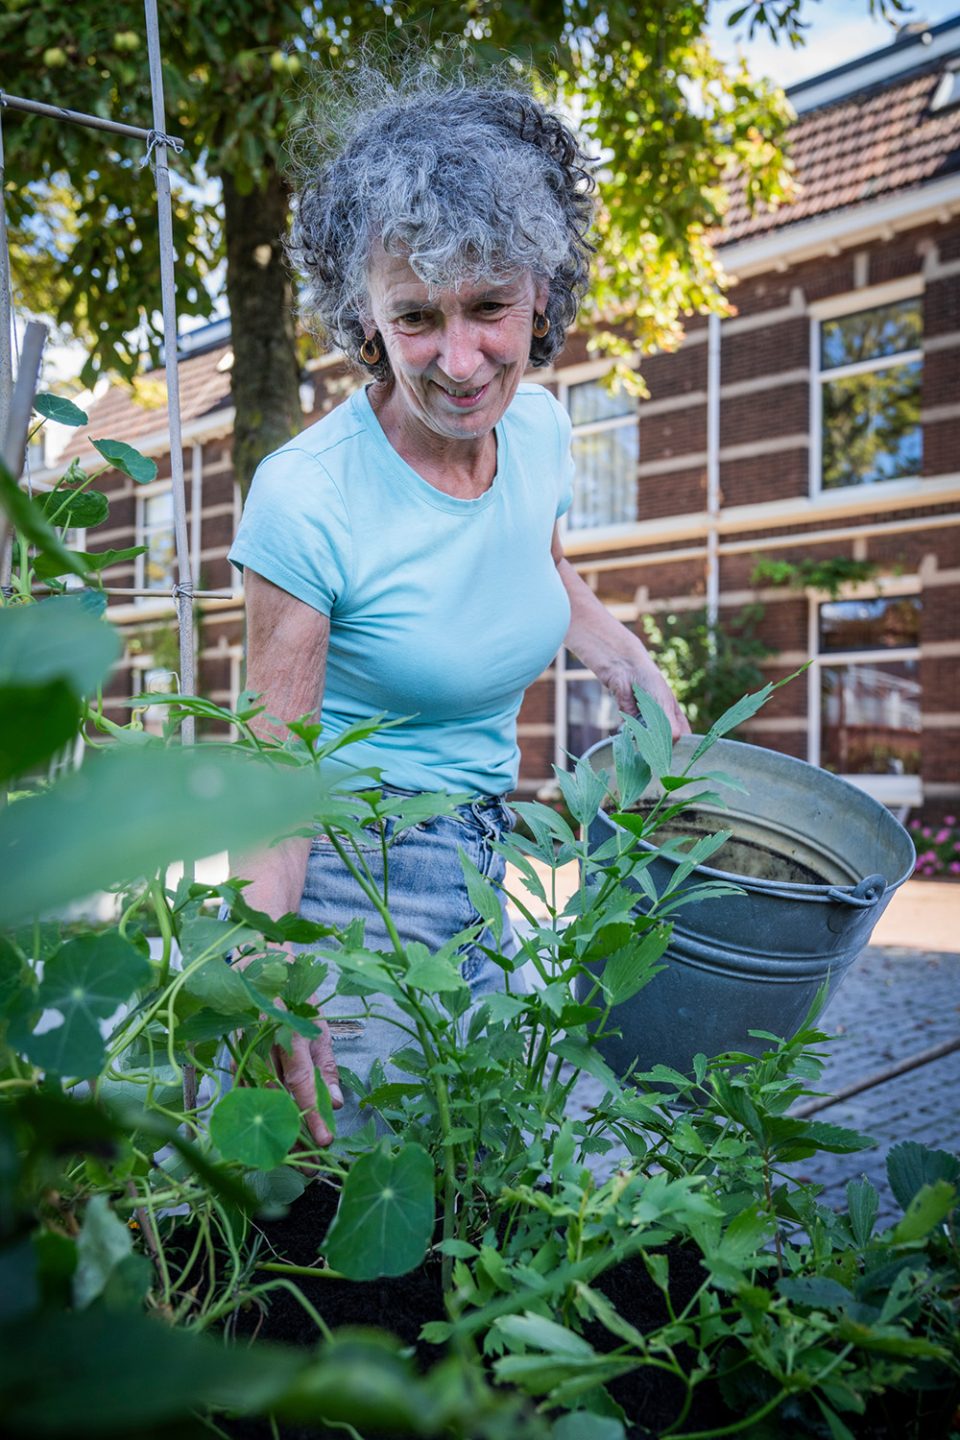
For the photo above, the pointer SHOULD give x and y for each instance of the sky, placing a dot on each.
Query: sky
(839, 30)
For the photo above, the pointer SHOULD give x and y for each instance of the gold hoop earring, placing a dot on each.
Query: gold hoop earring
(541, 326)
(370, 352)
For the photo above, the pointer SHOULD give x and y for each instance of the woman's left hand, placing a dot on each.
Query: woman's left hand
(621, 680)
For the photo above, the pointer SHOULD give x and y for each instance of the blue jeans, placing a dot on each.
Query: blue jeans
(428, 902)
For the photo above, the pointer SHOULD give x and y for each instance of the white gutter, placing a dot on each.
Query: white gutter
(806, 239)
(713, 467)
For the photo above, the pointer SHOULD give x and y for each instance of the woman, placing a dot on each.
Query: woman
(402, 555)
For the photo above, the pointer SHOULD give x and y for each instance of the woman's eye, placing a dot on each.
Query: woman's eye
(412, 317)
(492, 307)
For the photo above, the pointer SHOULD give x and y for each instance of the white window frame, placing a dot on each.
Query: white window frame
(144, 494)
(909, 288)
(892, 790)
(142, 667)
(578, 375)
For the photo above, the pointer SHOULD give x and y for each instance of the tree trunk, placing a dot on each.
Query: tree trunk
(265, 378)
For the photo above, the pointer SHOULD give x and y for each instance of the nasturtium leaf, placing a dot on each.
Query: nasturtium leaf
(48, 567)
(149, 807)
(583, 1425)
(80, 509)
(104, 1242)
(31, 523)
(59, 409)
(83, 982)
(276, 1188)
(124, 457)
(386, 1214)
(255, 1126)
(55, 640)
(221, 989)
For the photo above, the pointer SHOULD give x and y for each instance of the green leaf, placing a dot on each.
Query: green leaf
(255, 1126)
(862, 1205)
(651, 733)
(59, 409)
(817, 1291)
(631, 770)
(35, 722)
(584, 1425)
(386, 1215)
(587, 1058)
(483, 897)
(583, 790)
(630, 969)
(928, 1208)
(151, 807)
(84, 981)
(911, 1166)
(124, 1374)
(47, 567)
(80, 509)
(31, 523)
(123, 457)
(103, 1243)
(325, 1103)
(531, 1331)
(276, 1188)
(431, 973)
(55, 641)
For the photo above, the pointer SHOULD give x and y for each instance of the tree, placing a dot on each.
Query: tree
(664, 114)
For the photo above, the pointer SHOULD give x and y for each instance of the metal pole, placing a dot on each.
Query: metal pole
(6, 349)
(184, 589)
(18, 420)
(879, 1077)
(77, 117)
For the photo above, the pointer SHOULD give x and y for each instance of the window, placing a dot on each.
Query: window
(868, 394)
(866, 692)
(586, 711)
(606, 448)
(155, 569)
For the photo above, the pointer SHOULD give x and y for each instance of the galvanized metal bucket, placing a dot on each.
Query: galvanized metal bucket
(818, 861)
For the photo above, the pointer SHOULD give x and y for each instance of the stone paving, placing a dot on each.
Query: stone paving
(893, 1004)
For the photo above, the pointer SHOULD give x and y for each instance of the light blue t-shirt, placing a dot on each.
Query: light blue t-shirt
(441, 610)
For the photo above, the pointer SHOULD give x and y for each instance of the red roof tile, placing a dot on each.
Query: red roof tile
(877, 142)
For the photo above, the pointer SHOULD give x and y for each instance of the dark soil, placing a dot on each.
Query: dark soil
(402, 1305)
(651, 1398)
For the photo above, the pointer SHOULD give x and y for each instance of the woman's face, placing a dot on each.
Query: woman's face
(458, 355)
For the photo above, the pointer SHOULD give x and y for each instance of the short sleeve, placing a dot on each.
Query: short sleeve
(295, 530)
(566, 467)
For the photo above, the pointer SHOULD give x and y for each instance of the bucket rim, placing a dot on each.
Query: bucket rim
(817, 893)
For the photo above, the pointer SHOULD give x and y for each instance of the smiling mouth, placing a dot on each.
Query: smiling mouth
(462, 396)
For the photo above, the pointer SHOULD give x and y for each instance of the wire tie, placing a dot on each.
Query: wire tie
(183, 591)
(159, 137)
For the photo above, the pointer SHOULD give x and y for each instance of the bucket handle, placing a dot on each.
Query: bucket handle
(866, 892)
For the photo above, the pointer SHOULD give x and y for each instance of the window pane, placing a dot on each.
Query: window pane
(871, 427)
(158, 536)
(880, 624)
(592, 401)
(605, 482)
(870, 718)
(885, 330)
(158, 509)
(592, 715)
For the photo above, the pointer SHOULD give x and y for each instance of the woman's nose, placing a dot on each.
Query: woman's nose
(459, 356)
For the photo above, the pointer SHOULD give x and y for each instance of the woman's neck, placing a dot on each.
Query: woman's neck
(464, 468)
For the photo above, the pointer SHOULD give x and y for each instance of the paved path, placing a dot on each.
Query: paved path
(894, 1003)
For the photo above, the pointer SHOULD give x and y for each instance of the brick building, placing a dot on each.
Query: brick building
(821, 420)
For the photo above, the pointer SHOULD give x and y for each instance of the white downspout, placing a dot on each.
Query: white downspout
(196, 509)
(713, 468)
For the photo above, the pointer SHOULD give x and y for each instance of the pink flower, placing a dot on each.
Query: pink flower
(949, 819)
(941, 837)
(914, 825)
(926, 832)
(955, 867)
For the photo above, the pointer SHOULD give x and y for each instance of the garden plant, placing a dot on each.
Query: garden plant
(647, 1267)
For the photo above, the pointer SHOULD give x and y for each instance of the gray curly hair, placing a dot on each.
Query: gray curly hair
(471, 180)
